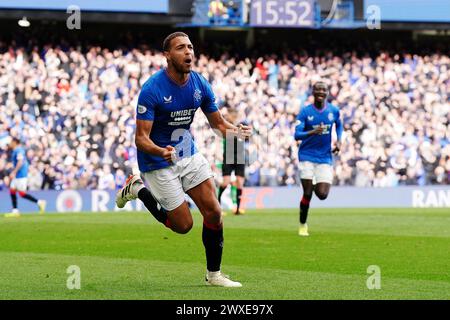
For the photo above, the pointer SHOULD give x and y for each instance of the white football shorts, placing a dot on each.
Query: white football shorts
(169, 185)
(19, 184)
(318, 172)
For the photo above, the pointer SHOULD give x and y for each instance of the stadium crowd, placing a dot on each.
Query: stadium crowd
(74, 110)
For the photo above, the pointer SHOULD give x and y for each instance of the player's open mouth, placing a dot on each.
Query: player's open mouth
(188, 61)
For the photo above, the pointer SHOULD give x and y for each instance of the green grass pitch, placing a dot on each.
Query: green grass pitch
(131, 256)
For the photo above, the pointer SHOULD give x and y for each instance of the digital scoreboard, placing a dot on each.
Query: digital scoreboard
(282, 13)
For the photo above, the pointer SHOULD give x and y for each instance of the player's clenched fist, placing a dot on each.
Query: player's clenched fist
(169, 154)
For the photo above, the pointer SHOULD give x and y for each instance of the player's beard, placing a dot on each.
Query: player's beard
(179, 68)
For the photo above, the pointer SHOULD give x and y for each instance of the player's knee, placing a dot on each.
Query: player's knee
(184, 227)
(213, 216)
(322, 195)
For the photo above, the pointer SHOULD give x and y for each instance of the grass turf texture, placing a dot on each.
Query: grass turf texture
(131, 256)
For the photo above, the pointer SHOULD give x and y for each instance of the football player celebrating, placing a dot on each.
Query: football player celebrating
(167, 156)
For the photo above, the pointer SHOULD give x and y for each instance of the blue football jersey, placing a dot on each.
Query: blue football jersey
(172, 107)
(20, 154)
(317, 148)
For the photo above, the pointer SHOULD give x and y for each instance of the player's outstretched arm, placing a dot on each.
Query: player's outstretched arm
(145, 144)
(218, 122)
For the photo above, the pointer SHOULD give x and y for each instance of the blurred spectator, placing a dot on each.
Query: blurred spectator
(218, 13)
(226, 12)
(75, 108)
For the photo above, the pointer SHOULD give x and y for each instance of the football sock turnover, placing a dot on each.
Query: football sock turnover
(304, 207)
(28, 197)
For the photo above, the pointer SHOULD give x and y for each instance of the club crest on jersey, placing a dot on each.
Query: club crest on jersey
(197, 95)
(141, 109)
(167, 99)
(310, 118)
(330, 116)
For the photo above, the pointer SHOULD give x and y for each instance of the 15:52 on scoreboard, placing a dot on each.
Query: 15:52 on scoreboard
(280, 13)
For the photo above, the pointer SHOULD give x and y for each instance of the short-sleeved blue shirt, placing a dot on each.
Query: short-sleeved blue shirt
(172, 107)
